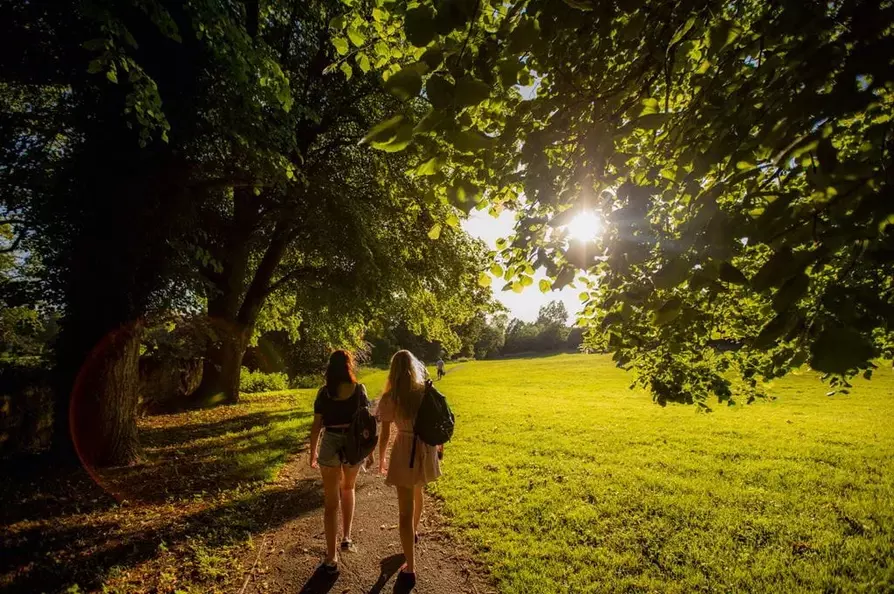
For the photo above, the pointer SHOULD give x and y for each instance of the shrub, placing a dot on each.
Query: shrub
(258, 381)
(307, 381)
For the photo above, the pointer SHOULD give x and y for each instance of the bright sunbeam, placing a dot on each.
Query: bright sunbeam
(585, 227)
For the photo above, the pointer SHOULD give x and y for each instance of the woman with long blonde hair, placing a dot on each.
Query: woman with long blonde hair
(398, 405)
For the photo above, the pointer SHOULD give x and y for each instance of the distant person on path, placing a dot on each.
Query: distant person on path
(336, 403)
(399, 403)
(440, 365)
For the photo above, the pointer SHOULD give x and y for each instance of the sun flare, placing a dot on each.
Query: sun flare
(585, 227)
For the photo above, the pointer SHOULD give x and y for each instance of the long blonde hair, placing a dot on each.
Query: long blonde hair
(406, 383)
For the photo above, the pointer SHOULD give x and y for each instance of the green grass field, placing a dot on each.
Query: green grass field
(564, 480)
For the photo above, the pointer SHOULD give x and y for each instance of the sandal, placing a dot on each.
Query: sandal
(347, 546)
(329, 568)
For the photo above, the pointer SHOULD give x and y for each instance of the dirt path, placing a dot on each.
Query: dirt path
(286, 558)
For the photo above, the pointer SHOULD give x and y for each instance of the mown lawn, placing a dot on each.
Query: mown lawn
(564, 480)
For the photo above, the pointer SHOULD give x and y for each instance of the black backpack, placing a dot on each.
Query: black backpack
(434, 420)
(363, 434)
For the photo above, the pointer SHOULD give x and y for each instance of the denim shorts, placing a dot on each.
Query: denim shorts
(331, 448)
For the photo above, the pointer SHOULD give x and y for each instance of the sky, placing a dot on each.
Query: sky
(526, 304)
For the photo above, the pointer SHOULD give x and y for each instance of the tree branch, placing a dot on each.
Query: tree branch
(303, 272)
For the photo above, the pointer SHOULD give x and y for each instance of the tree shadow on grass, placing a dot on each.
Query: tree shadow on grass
(178, 435)
(232, 452)
(67, 528)
(50, 559)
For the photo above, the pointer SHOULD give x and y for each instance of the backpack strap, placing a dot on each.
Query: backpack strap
(428, 385)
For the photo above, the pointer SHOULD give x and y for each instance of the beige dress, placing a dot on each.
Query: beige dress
(426, 467)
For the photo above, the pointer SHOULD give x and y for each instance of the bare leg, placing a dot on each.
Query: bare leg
(405, 523)
(331, 482)
(418, 504)
(347, 498)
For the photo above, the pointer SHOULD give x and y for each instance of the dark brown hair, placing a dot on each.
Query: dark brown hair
(339, 371)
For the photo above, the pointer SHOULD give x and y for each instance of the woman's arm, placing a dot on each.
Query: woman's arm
(384, 436)
(315, 438)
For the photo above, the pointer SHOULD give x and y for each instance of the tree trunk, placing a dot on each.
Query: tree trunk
(104, 401)
(235, 320)
(221, 369)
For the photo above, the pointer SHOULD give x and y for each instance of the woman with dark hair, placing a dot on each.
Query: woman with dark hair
(336, 403)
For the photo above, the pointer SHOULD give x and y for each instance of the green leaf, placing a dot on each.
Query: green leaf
(341, 45)
(545, 286)
(94, 45)
(430, 167)
(346, 68)
(470, 141)
(338, 23)
(112, 75)
(432, 57)
(580, 4)
(668, 312)
(682, 30)
(651, 121)
(496, 270)
(722, 34)
(672, 274)
(525, 280)
(779, 268)
(524, 35)
(563, 278)
(363, 61)
(453, 14)
(484, 279)
(419, 26)
(790, 292)
(509, 70)
(463, 194)
(356, 37)
(439, 91)
(95, 66)
(435, 231)
(405, 83)
(429, 122)
(382, 50)
(384, 131)
(453, 221)
(470, 91)
(563, 218)
(650, 106)
(401, 140)
(774, 330)
(732, 275)
(840, 350)
(583, 296)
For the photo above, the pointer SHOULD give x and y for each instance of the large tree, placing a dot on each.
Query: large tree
(738, 154)
(114, 107)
